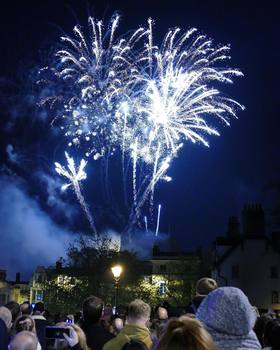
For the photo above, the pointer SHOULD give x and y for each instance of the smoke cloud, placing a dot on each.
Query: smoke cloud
(28, 237)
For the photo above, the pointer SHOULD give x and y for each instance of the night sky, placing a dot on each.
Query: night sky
(241, 166)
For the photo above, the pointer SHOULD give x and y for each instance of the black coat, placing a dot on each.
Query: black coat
(194, 305)
(4, 337)
(96, 336)
(41, 323)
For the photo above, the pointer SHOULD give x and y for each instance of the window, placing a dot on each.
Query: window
(39, 296)
(39, 279)
(274, 272)
(2, 299)
(235, 271)
(162, 287)
(60, 280)
(162, 268)
(275, 297)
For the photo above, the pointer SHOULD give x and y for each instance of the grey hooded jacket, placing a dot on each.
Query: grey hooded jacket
(229, 318)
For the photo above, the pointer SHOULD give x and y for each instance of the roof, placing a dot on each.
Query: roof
(235, 242)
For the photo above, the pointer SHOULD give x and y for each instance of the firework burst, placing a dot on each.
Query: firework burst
(75, 175)
(130, 95)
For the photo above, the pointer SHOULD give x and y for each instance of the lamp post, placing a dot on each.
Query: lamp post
(116, 271)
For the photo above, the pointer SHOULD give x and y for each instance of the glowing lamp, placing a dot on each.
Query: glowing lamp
(116, 271)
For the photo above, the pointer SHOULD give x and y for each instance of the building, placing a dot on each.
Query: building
(37, 283)
(177, 270)
(16, 290)
(249, 259)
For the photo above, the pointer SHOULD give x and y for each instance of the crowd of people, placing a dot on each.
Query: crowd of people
(218, 318)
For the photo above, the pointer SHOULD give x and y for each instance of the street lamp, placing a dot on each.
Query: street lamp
(116, 271)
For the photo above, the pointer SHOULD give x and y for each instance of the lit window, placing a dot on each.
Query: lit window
(39, 296)
(162, 287)
(275, 297)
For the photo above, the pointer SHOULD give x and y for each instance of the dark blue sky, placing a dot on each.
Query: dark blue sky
(241, 166)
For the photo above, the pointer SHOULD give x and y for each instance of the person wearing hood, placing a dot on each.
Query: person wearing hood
(229, 318)
(203, 287)
(138, 315)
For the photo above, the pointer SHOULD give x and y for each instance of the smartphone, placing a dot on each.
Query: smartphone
(54, 332)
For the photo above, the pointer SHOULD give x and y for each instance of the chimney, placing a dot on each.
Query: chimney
(233, 227)
(156, 250)
(253, 220)
(58, 265)
(275, 239)
(17, 277)
(3, 275)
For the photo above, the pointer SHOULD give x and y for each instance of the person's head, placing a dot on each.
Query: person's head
(39, 308)
(14, 308)
(260, 327)
(24, 323)
(134, 345)
(116, 324)
(138, 312)
(205, 285)
(185, 333)
(26, 308)
(24, 341)
(272, 334)
(6, 316)
(92, 309)
(227, 310)
(162, 313)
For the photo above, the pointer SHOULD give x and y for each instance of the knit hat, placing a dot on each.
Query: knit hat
(205, 285)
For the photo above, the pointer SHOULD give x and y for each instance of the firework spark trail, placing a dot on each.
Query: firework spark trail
(134, 175)
(158, 219)
(127, 94)
(75, 175)
(154, 173)
(146, 223)
(159, 174)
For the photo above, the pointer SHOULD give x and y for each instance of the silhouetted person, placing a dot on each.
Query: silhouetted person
(95, 333)
(260, 327)
(134, 345)
(26, 308)
(272, 334)
(4, 337)
(40, 323)
(14, 308)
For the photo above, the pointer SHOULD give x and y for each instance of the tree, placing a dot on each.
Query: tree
(88, 272)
